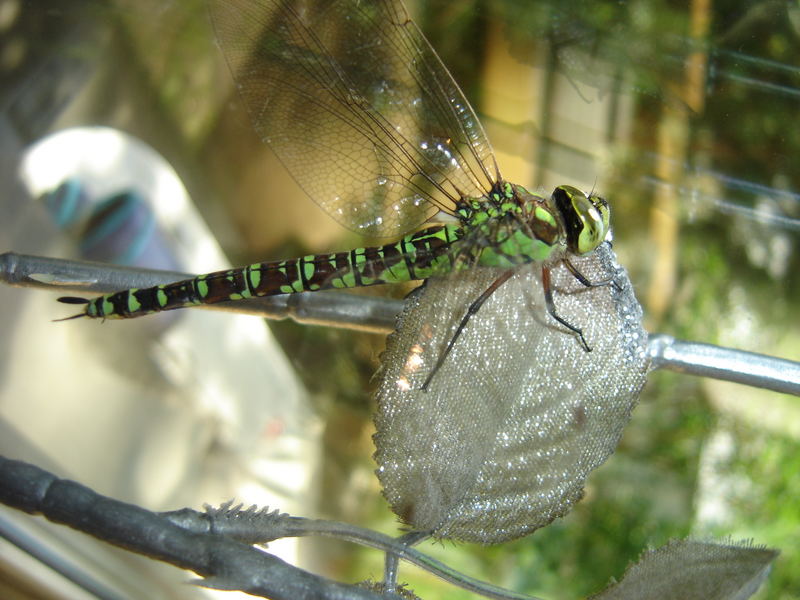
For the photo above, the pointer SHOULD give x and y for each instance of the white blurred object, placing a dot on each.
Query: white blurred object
(163, 412)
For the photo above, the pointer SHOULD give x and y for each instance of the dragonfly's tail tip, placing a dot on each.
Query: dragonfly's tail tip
(72, 300)
(78, 316)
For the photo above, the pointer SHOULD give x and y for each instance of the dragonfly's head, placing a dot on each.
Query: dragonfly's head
(586, 218)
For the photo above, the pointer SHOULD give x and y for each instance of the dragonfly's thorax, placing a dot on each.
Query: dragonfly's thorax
(511, 226)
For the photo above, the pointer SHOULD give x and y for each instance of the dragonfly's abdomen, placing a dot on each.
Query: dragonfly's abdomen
(417, 256)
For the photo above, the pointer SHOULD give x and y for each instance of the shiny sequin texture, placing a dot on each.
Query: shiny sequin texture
(519, 414)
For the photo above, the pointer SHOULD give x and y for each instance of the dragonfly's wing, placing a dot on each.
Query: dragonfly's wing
(358, 107)
(519, 413)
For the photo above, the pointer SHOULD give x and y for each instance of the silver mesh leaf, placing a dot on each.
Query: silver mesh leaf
(694, 570)
(519, 414)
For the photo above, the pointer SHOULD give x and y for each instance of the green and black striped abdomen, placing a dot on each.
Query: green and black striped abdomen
(417, 256)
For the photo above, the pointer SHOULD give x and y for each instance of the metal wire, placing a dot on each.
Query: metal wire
(377, 315)
(223, 562)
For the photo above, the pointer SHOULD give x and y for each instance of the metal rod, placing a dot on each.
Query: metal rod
(727, 364)
(377, 315)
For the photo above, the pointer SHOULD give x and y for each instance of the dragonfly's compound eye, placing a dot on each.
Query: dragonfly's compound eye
(586, 217)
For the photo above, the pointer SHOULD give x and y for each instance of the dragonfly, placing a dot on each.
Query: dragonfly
(418, 162)
(362, 112)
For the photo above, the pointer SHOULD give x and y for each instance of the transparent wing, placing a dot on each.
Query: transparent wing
(358, 107)
(520, 414)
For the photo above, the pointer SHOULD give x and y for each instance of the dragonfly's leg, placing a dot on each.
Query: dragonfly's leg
(390, 565)
(551, 306)
(473, 308)
(582, 278)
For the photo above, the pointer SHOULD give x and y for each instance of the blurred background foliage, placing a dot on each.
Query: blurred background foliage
(683, 114)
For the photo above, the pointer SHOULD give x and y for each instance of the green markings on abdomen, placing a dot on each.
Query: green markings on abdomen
(416, 256)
